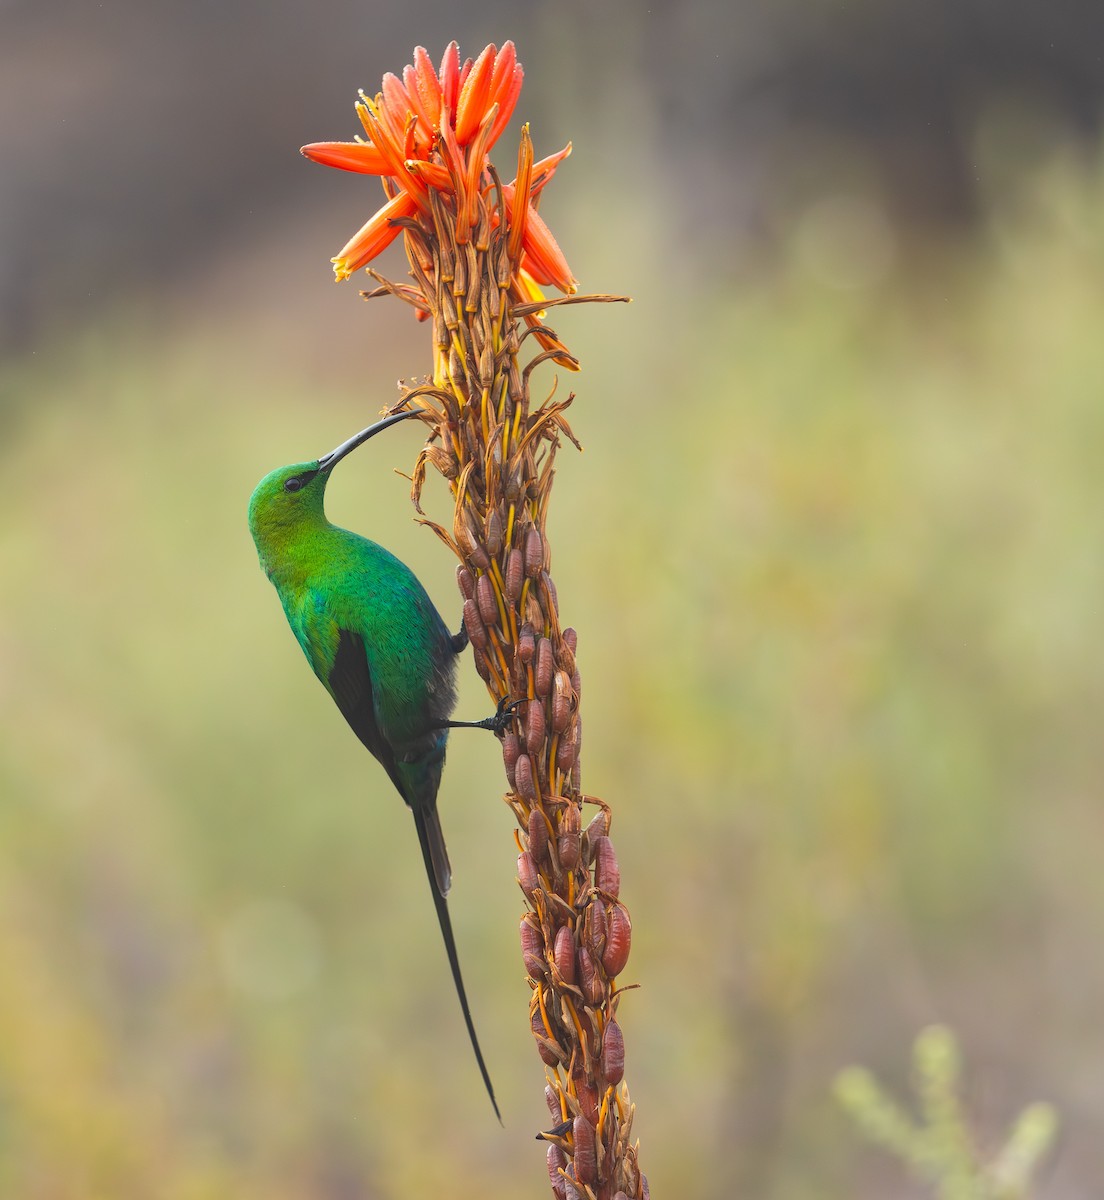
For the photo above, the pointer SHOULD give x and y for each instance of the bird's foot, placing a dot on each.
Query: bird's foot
(498, 724)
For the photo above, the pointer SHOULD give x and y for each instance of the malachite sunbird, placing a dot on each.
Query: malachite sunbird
(373, 637)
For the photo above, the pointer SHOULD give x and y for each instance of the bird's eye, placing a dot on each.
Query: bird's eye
(293, 484)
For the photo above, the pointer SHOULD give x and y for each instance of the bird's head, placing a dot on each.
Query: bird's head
(291, 498)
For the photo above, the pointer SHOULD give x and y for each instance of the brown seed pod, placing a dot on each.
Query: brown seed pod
(564, 954)
(481, 666)
(607, 872)
(618, 940)
(542, 679)
(534, 552)
(612, 1061)
(599, 825)
(586, 1165)
(548, 1055)
(577, 686)
(569, 840)
(493, 532)
(527, 873)
(550, 590)
(534, 726)
(527, 643)
(477, 632)
(587, 1095)
(595, 929)
(511, 748)
(567, 749)
(538, 835)
(532, 948)
(552, 1099)
(557, 1160)
(515, 574)
(466, 582)
(590, 980)
(561, 701)
(485, 600)
(645, 1190)
(571, 637)
(523, 775)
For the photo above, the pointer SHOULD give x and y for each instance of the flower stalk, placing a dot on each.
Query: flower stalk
(479, 257)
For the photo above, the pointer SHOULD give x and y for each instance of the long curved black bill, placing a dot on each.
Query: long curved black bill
(327, 461)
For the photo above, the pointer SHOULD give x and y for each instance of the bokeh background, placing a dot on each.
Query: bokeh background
(834, 551)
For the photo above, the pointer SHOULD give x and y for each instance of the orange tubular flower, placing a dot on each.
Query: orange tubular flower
(430, 132)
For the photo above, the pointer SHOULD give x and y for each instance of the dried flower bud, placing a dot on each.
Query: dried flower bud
(586, 1168)
(591, 983)
(481, 666)
(595, 927)
(548, 1055)
(532, 947)
(485, 599)
(587, 1095)
(612, 1062)
(523, 776)
(607, 872)
(550, 591)
(466, 582)
(571, 637)
(556, 1163)
(571, 1192)
(486, 366)
(570, 840)
(561, 701)
(527, 643)
(511, 748)
(542, 682)
(534, 726)
(538, 835)
(618, 940)
(552, 1099)
(527, 873)
(493, 532)
(515, 574)
(577, 686)
(534, 552)
(477, 632)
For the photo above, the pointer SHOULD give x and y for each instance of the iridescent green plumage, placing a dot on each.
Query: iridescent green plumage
(377, 644)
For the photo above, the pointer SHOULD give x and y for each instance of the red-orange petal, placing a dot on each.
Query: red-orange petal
(473, 103)
(430, 173)
(505, 87)
(425, 124)
(347, 156)
(377, 233)
(547, 257)
(450, 76)
(427, 86)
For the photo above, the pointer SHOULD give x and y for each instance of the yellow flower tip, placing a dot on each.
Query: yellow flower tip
(341, 269)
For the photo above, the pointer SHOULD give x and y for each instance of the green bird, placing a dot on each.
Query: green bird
(373, 637)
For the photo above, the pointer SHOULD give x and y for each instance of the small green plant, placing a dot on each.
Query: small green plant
(940, 1149)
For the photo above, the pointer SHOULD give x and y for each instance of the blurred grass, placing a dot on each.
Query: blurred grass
(834, 553)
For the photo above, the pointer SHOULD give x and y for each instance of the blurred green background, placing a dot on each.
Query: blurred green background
(834, 552)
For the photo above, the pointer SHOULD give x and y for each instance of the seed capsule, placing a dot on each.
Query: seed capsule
(481, 666)
(645, 1190)
(485, 599)
(570, 839)
(548, 1055)
(590, 981)
(595, 927)
(607, 873)
(527, 873)
(477, 632)
(523, 775)
(542, 681)
(618, 940)
(511, 748)
(538, 835)
(567, 749)
(556, 1163)
(466, 582)
(534, 726)
(515, 574)
(612, 1061)
(550, 591)
(561, 701)
(564, 954)
(492, 529)
(571, 1192)
(599, 826)
(571, 637)
(527, 643)
(586, 1167)
(587, 1095)
(552, 1099)
(532, 948)
(534, 553)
